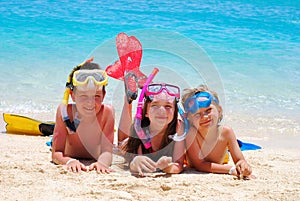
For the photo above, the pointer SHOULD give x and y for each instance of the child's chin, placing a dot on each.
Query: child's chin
(89, 113)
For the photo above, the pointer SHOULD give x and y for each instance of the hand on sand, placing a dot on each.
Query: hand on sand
(76, 166)
(164, 162)
(142, 164)
(100, 168)
(244, 170)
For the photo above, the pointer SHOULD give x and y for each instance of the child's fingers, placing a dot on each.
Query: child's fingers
(164, 162)
(247, 171)
(83, 167)
(78, 167)
(108, 170)
(243, 169)
(103, 170)
(150, 162)
(252, 176)
(92, 166)
(100, 170)
(240, 167)
(147, 167)
(139, 170)
(75, 168)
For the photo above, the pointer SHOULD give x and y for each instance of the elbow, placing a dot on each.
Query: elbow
(54, 158)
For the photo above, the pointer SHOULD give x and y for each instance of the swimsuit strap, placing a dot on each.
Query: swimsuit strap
(76, 120)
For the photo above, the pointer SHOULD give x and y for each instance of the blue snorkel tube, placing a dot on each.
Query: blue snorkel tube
(182, 113)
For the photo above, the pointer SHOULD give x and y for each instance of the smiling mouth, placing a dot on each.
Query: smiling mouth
(205, 122)
(90, 109)
(160, 117)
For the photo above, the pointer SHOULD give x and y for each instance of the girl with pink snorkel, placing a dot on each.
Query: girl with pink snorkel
(151, 142)
(149, 146)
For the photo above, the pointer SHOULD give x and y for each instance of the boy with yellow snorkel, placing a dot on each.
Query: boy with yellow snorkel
(84, 130)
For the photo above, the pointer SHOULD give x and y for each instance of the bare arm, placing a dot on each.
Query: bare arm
(125, 121)
(194, 152)
(59, 140)
(59, 143)
(107, 138)
(242, 167)
(178, 153)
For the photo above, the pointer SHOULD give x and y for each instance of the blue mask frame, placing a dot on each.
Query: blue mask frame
(193, 104)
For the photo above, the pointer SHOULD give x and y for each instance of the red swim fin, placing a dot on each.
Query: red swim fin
(115, 70)
(130, 54)
(127, 68)
(130, 51)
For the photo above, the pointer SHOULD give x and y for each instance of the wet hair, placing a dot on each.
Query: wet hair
(133, 143)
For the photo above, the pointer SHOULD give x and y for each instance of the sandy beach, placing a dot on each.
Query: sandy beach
(27, 173)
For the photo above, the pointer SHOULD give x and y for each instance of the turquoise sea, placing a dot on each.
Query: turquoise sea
(248, 51)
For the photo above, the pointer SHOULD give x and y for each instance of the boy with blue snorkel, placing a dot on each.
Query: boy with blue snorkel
(84, 130)
(207, 141)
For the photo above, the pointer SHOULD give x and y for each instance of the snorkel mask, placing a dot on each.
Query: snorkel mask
(171, 91)
(89, 79)
(201, 99)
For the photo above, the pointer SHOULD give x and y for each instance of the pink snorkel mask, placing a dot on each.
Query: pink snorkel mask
(163, 91)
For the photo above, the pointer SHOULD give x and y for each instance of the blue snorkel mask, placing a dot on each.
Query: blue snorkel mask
(201, 99)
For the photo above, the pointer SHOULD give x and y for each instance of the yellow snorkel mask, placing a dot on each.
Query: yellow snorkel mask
(89, 78)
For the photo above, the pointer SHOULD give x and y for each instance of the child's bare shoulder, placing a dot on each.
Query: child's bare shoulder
(108, 108)
(107, 111)
(227, 131)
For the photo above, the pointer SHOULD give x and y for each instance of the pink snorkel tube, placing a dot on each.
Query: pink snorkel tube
(145, 137)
